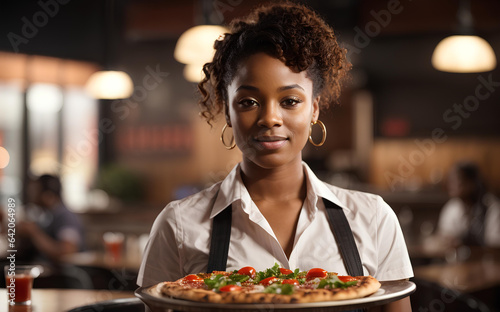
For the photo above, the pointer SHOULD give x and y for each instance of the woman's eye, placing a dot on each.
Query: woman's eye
(247, 103)
(291, 102)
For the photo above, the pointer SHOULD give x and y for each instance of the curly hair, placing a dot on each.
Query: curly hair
(290, 32)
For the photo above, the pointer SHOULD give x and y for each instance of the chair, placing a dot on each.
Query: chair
(87, 277)
(110, 279)
(430, 296)
(64, 276)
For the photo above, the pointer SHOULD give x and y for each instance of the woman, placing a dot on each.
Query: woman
(270, 77)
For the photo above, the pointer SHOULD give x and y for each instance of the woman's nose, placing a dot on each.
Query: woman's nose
(270, 116)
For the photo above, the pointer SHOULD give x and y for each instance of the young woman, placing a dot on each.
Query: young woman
(270, 77)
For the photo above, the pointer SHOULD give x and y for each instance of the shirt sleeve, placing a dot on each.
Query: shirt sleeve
(393, 259)
(161, 260)
(452, 223)
(67, 227)
(492, 224)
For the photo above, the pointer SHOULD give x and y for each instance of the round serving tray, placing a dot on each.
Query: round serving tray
(388, 292)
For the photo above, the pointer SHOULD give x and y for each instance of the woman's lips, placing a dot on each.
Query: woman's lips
(271, 142)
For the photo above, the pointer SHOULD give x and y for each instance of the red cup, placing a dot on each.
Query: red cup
(19, 282)
(113, 243)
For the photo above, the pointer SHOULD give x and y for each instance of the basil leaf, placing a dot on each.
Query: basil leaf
(281, 289)
(334, 282)
(296, 272)
(287, 289)
(239, 278)
(217, 281)
(324, 282)
(210, 283)
(344, 285)
(292, 275)
(274, 271)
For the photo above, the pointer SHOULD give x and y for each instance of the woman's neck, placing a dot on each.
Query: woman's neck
(277, 184)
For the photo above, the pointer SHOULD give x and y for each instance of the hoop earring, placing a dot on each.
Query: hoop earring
(323, 130)
(233, 144)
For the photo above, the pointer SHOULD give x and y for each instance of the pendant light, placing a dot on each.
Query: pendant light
(465, 52)
(195, 46)
(109, 84)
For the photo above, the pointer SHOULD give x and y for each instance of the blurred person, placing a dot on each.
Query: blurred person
(472, 214)
(269, 78)
(49, 230)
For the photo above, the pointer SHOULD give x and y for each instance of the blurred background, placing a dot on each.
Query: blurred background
(401, 125)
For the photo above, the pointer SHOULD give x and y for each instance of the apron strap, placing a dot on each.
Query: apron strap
(345, 238)
(219, 244)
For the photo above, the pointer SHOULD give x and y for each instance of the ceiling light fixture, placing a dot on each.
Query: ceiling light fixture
(195, 46)
(466, 52)
(109, 84)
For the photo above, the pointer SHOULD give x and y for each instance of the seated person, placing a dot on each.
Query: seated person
(55, 231)
(472, 215)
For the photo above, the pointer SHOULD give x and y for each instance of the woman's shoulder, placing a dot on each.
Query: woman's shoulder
(351, 197)
(200, 200)
(193, 208)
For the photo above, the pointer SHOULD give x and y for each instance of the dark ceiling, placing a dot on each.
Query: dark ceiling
(77, 30)
(393, 63)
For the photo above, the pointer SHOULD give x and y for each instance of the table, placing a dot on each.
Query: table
(467, 277)
(59, 300)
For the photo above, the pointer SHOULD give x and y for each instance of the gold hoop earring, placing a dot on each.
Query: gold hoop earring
(233, 144)
(323, 129)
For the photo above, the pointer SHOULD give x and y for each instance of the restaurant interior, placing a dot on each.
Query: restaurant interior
(409, 112)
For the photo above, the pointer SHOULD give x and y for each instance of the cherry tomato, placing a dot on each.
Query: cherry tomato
(229, 288)
(285, 271)
(268, 281)
(247, 271)
(316, 272)
(347, 278)
(193, 278)
(291, 282)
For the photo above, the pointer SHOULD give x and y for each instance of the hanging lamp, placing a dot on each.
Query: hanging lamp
(195, 46)
(465, 52)
(109, 84)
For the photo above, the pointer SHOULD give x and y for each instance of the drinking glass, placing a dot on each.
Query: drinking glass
(113, 243)
(19, 282)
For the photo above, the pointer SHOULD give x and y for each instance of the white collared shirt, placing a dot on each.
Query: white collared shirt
(179, 242)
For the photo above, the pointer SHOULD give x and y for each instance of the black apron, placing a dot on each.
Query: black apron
(221, 235)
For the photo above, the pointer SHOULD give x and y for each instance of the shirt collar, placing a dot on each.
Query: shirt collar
(317, 189)
(232, 190)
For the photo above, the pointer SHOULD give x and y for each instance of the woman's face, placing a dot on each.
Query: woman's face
(270, 109)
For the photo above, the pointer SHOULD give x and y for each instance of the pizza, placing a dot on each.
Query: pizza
(273, 285)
